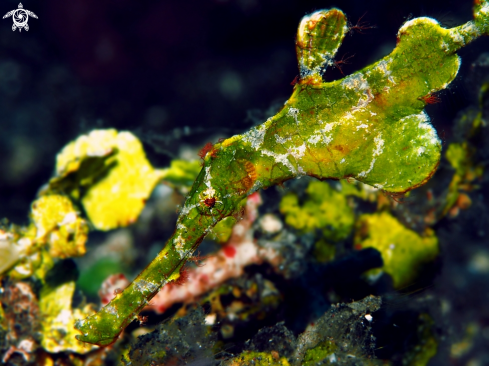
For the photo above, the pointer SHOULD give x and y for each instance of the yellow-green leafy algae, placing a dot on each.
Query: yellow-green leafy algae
(257, 359)
(403, 250)
(59, 225)
(108, 171)
(460, 157)
(426, 346)
(56, 231)
(324, 208)
(357, 189)
(371, 126)
(181, 173)
(323, 352)
(58, 319)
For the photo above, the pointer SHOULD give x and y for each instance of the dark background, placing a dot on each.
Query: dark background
(176, 73)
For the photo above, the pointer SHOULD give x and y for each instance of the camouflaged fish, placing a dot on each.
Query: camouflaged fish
(370, 126)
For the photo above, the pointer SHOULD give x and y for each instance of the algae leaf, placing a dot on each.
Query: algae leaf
(58, 319)
(58, 224)
(109, 172)
(403, 250)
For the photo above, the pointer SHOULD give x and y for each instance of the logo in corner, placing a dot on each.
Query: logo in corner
(20, 17)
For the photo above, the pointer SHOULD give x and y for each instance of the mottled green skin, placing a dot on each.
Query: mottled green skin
(369, 126)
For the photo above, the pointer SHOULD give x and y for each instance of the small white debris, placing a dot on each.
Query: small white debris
(328, 127)
(369, 317)
(314, 139)
(210, 319)
(270, 224)
(281, 140)
(457, 38)
(355, 81)
(379, 145)
(294, 113)
(209, 192)
(256, 135)
(144, 286)
(63, 317)
(27, 345)
(68, 219)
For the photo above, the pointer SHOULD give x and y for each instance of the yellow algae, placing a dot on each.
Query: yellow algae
(58, 319)
(403, 250)
(109, 172)
(59, 225)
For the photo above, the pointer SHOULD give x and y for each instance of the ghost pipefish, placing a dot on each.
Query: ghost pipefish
(370, 126)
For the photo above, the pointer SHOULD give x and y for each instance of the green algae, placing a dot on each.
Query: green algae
(323, 352)
(458, 157)
(323, 209)
(56, 230)
(181, 173)
(258, 359)
(462, 156)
